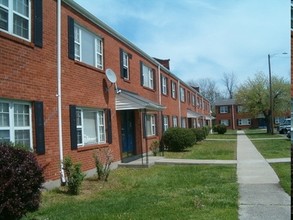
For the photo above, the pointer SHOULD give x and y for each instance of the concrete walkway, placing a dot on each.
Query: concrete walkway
(261, 197)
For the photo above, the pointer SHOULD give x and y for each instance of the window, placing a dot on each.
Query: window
(182, 94)
(175, 123)
(165, 123)
(150, 125)
(147, 75)
(224, 109)
(15, 17)
(241, 108)
(173, 88)
(164, 85)
(244, 121)
(224, 122)
(125, 66)
(88, 47)
(15, 123)
(193, 100)
(90, 126)
(183, 122)
(188, 97)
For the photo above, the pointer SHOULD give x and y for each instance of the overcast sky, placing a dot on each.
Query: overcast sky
(204, 38)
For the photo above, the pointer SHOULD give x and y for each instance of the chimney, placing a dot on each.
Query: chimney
(165, 63)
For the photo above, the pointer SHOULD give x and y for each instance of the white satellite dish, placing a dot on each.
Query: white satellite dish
(111, 76)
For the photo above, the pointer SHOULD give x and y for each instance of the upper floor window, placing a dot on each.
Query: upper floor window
(193, 100)
(182, 94)
(150, 125)
(164, 85)
(173, 88)
(88, 47)
(188, 97)
(90, 124)
(147, 75)
(241, 108)
(124, 64)
(15, 17)
(224, 109)
(15, 122)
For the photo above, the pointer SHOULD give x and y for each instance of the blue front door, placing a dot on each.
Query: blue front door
(128, 133)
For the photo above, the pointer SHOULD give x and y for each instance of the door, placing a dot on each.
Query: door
(128, 133)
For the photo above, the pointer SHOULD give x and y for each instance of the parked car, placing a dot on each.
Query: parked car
(285, 126)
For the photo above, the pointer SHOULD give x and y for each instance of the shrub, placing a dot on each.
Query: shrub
(21, 180)
(155, 147)
(103, 163)
(199, 133)
(206, 130)
(177, 139)
(221, 129)
(74, 175)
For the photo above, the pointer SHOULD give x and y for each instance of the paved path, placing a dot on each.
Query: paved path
(261, 197)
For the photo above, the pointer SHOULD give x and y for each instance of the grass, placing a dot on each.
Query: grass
(283, 171)
(160, 192)
(261, 133)
(208, 149)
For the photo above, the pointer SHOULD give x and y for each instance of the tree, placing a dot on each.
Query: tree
(207, 88)
(254, 95)
(229, 80)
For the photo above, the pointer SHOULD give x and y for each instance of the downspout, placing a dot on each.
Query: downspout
(179, 104)
(59, 90)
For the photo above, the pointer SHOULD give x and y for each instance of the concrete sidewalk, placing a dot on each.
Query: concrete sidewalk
(261, 197)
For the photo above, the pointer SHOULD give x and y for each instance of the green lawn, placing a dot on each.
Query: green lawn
(160, 192)
(208, 149)
(283, 170)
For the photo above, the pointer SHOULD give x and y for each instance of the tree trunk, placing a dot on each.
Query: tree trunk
(268, 122)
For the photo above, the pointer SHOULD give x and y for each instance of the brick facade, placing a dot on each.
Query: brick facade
(28, 73)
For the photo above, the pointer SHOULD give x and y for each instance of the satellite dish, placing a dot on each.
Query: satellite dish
(111, 76)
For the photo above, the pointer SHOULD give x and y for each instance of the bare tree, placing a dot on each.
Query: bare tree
(229, 80)
(207, 88)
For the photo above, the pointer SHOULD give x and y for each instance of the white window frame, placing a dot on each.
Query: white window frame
(173, 88)
(11, 13)
(224, 122)
(148, 77)
(125, 62)
(175, 121)
(150, 125)
(193, 100)
(182, 94)
(12, 127)
(100, 136)
(98, 47)
(164, 85)
(224, 109)
(165, 122)
(183, 122)
(244, 121)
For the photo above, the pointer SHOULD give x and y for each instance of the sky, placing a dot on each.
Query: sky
(205, 38)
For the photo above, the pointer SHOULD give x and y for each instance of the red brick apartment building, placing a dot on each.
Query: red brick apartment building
(63, 104)
(231, 114)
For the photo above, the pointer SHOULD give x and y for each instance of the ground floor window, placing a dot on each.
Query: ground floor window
(16, 122)
(244, 121)
(183, 123)
(150, 125)
(165, 123)
(224, 122)
(90, 124)
(175, 123)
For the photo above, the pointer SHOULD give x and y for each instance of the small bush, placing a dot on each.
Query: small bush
(207, 130)
(177, 139)
(199, 133)
(21, 180)
(74, 175)
(155, 147)
(221, 129)
(103, 162)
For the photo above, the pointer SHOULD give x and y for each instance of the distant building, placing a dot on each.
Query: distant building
(234, 116)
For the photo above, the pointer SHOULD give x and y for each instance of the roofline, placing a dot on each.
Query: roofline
(114, 33)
